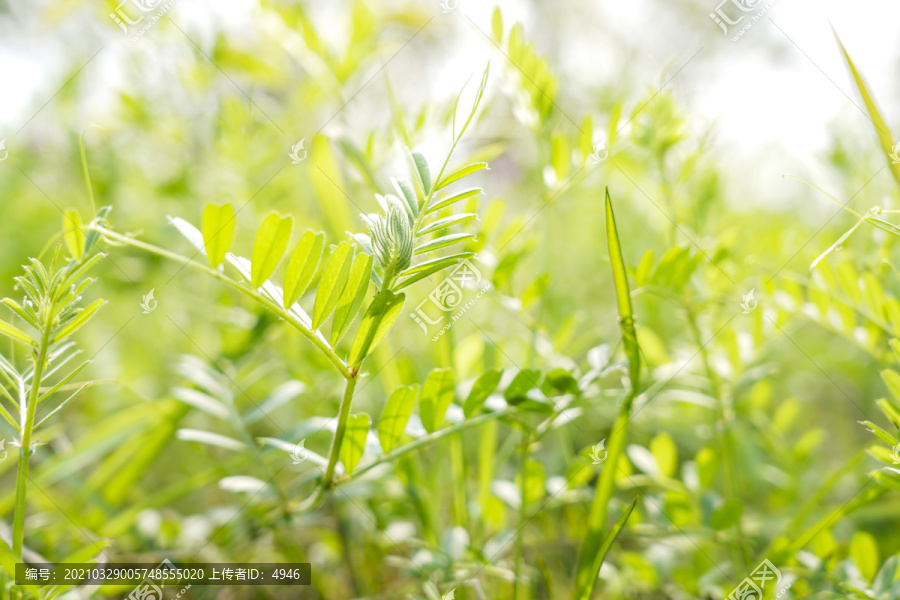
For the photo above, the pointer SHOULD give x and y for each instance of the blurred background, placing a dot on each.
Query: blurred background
(698, 130)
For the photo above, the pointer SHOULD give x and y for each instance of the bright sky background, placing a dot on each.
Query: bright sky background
(771, 102)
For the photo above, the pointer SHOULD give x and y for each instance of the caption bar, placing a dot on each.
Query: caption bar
(164, 573)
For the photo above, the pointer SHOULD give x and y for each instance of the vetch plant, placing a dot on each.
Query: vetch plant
(50, 312)
(406, 242)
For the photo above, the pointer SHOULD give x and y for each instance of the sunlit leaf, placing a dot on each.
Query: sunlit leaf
(378, 320)
(268, 249)
(395, 416)
(79, 320)
(218, 227)
(74, 233)
(420, 166)
(354, 440)
(438, 204)
(332, 283)
(302, 266)
(463, 172)
(485, 384)
(352, 298)
(436, 396)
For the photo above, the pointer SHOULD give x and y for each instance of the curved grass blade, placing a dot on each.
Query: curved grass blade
(603, 550)
(587, 575)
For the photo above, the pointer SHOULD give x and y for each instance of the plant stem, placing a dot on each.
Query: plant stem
(343, 417)
(25, 450)
(523, 470)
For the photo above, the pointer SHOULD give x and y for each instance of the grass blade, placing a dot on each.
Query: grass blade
(588, 568)
(606, 545)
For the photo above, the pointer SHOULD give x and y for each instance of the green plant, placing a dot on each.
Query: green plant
(51, 313)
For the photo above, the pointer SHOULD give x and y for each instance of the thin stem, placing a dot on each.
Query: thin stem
(267, 302)
(25, 450)
(523, 466)
(343, 417)
(422, 441)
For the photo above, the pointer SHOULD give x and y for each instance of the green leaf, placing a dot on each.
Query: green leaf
(352, 298)
(218, 226)
(332, 283)
(79, 320)
(209, 438)
(485, 384)
(446, 222)
(378, 320)
(464, 172)
(885, 139)
(16, 334)
(497, 25)
(443, 242)
(517, 390)
(271, 241)
(302, 266)
(445, 261)
(354, 440)
(74, 234)
(584, 591)
(892, 380)
(666, 453)
(864, 551)
(436, 205)
(422, 172)
(437, 394)
(396, 415)
(623, 296)
(727, 515)
(405, 191)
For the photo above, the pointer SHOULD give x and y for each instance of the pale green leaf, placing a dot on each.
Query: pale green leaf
(217, 226)
(484, 386)
(437, 394)
(378, 320)
(15, 333)
(268, 248)
(422, 173)
(302, 266)
(78, 321)
(352, 298)
(332, 283)
(354, 440)
(436, 204)
(395, 416)
(457, 175)
(443, 242)
(74, 233)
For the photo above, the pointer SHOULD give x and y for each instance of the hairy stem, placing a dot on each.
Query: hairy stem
(25, 450)
(343, 417)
